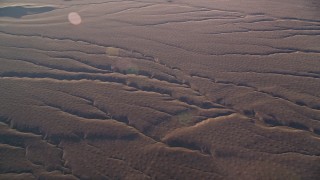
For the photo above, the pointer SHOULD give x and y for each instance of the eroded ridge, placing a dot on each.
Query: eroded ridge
(159, 90)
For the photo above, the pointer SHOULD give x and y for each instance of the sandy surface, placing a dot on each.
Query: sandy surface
(161, 89)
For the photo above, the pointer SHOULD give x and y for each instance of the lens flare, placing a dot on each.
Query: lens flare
(74, 18)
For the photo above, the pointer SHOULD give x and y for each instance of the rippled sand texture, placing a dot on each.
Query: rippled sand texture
(160, 89)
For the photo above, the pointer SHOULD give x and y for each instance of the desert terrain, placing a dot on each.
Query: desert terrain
(160, 89)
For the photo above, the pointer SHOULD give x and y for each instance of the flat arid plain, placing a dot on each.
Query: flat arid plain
(160, 89)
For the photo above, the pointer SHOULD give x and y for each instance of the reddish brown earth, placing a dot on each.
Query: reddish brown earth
(161, 89)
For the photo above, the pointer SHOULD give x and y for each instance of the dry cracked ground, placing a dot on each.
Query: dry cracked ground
(160, 89)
